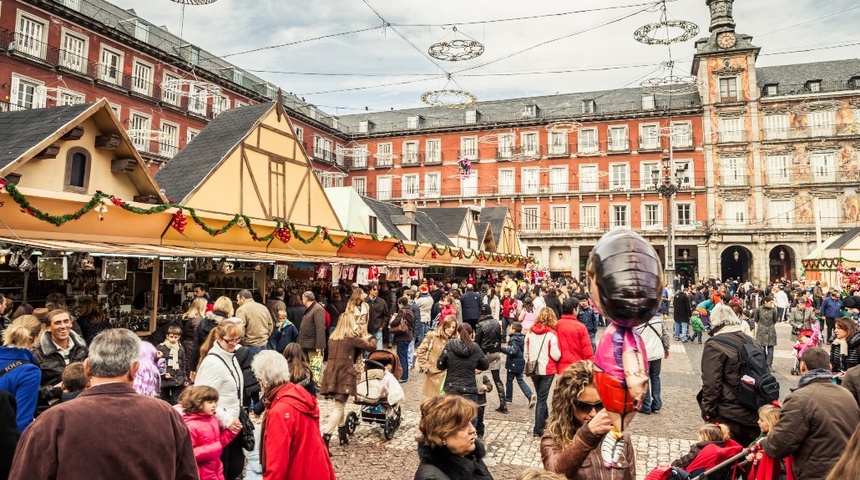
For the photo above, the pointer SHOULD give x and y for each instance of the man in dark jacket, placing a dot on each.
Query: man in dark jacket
(109, 426)
(312, 330)
(471, 303)
(683, 312)
(378, 317)
(816, 421)
(831, 309)
(58, 347)
(488, 336)
(387, 293)
(588, 318)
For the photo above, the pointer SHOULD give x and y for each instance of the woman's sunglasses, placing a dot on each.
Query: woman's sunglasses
(586, 407)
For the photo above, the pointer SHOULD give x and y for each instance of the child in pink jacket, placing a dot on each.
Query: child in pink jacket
(198, 405)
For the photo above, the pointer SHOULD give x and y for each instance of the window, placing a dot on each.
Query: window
(73, 4)
(338, 155)
(829, 212)
(432, 184)
(384, 157)
(191, 134)
(731, 129)
(618, 139)
(472, 117)
(684, 215)
(620, 216)
(110, 67)
(238, 104)
(365, 126)
(170, 143)
(329, 179)
(383, 187)
(530, 111)
(588, 178)
(359, 159)
(506, 181)
(778, 169)
(141, 80)
(588, 217)
(360, 185)
(652, 218)
(558, 179)
(74, 53)
(531, 180)
(410, 153)
(300, 134)
(469, 147)
(26, 93)
(140, 131)
(648, 102)
(771, 90)
(68, 97)
(410, 186)
(776, 127)
(649, 137)
(117, 110)
(588, 140)
(734, 171)
(531, 219)
(649, 170)
(194, 57)
(141, 30)
(682, 134)
(77, 176)
(822, 123)
(686, 176)
(559, 219)
(30, 37)
(434, 151)
(221, 103)
(530, 144)
(779, 213)
(589, 106)
(735, 212)
(322, 148)
(372, 224)
(170, 88)
(823, 167)
(729, 89)
(506, 145)
(558, 143)
(814, 86)
(619, 176)
(469, 185)
(414, 121)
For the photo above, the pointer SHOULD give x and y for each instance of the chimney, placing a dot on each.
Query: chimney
(410, 209)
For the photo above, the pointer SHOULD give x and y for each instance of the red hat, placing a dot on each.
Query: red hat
(423, 289)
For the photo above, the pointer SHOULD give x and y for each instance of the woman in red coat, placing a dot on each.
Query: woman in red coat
(573, 339)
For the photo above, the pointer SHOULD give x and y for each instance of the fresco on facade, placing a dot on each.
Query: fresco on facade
(851, 208)
(804, 209)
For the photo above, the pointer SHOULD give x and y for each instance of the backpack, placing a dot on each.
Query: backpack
(758, 387)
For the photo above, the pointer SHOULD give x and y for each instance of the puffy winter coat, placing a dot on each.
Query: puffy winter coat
(442, 464)
(208, 440)
(488, 335)
(542, 345)
(226, 377)
(573, 341)
(840, 362)
(22, 382)
(721, 375)
(51, 362)
(516, 363)
(765, 319)
(460, 362)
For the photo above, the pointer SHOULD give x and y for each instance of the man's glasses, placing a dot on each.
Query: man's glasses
(585, 407)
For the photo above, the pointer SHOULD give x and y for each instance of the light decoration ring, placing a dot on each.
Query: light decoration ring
(592, 153)
(449, 98)
(496, 138)
(683, 129)
(671, 85)
(568, 126)
(176, 86)
(194, 2)
(47, 91)
(385, 156)
(524, 156)
(148, 135)
(646, 33)
(456, 50)
(352, 151)
(816, 106)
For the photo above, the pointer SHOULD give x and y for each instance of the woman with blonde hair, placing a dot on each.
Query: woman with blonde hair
(542, 349)
(428, 353)
(23, 380)
(576, 427)
(357, 307)
(223, 308)
(339, 378)
(190, 321)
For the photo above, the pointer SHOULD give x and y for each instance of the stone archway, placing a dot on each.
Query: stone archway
(781, 263)
(736, 262)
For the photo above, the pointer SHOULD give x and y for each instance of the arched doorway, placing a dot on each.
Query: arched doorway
(781, 262)
(736, 262)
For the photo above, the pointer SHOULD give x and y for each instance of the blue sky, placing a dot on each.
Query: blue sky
(383, 68)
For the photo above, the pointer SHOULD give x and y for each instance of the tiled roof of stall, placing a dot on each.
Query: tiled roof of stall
(495, 217)
(449, 220)
(390, 215)
(23, 129)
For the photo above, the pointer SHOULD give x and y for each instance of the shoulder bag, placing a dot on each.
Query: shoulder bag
(531, 369)
(247, 433)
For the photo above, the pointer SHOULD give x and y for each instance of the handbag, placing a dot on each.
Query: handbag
(246, 436)
(531, 369)
(400, 327)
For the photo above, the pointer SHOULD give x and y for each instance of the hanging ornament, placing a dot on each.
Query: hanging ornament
(179, 221)
(241, 222)
(117, 201)
(460, 254)
(401, 249)
(433, 254)
(2, 184)
(324, 235)
(16, 257)
(481, 257)
(101, 209)
(350, 241)
(283, 234)
(26, 265)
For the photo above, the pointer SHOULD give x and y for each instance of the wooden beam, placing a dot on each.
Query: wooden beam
(254, 183)
(123, 165)
(74, 134)
(108, 141)
(156, 283)
(278, 131)
(50, 151)
(296, 198)
(273, 155)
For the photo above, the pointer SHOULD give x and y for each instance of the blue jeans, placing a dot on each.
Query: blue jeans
(420, 332)
(652, 401)
(478, 421)
(681, 330)
(403, 355)
(593, 342)
(768, 351)
(378, 336)
(543, 383)
(410, 354)
(520, 381)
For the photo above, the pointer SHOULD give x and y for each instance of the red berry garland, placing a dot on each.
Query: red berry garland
(350, 241)
(117, 201)
(179, 221)
(401, 249)
(283, 234)
(460, 254)
(433, 254)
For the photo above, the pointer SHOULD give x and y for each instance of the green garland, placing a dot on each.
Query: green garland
(99, 196)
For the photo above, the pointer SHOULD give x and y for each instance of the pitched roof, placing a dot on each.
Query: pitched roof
(845, 238)
(834, 71)
(24, 129)
(495, 217)
(428, 231)
(390, 216)
(193, 163)
(449, 220)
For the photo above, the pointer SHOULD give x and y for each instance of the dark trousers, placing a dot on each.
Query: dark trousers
(500, 389)
(652, 401)
(403, 355)
(233, 459)
(506, 322)
(831, 324)
(542, 383)
(521, 382)
(171, 394)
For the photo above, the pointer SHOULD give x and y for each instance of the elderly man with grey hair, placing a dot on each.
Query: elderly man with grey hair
(109, 428)
(291, 424)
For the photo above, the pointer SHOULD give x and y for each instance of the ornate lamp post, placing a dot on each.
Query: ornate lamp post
(667, 182)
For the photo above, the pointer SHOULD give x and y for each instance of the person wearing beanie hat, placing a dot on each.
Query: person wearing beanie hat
(488, 336)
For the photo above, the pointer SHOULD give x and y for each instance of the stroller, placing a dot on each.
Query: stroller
(376, 409)
(813, 339)
(712, 463)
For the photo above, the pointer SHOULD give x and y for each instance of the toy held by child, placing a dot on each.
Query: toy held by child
(198, 405)
(806, 338)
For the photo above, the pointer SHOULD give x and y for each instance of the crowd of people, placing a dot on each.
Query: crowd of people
(213, 395)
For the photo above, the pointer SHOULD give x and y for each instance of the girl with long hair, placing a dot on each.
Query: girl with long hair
(91, 319)
(460, 359)
(542, 348)
(191, 320)
(428, 353)
(300, 369)
(527, 314)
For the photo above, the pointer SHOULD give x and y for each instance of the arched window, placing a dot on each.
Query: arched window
(78, 163)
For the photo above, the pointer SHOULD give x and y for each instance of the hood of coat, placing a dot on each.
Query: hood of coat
(540, 329)
(203, 417)
(299, 398)
(12, 354)
(455, 466)
(48, 347)
(459, 348)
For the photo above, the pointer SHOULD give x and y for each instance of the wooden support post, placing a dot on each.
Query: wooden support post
(156, 283)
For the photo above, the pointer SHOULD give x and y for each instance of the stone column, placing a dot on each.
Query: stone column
(574, 262)
(703, 254)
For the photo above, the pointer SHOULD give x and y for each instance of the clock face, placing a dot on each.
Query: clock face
(726, 40)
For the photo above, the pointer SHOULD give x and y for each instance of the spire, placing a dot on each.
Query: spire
(721, 16)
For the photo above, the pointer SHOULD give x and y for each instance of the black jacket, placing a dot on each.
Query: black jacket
(206, 325)
(460, 363)
(553, 303)
(8, 432)
(515, 362)
(378, 315)
(488, 335)
(471, 303)
(841, 363)
(51, 362)
(683, 308)
(441, 464)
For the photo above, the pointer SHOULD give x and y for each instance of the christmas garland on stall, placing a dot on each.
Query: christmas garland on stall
(283, 231)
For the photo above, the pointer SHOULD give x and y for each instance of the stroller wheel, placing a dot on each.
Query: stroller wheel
(397, 417)
(351, 422)
(389, 428)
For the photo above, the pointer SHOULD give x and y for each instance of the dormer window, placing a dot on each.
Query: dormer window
(530, 111)
(589, 106)
(648, 102)
(365, 126)
(813, 86)
(472, 117)
(372, 225)
(414, 122)
(854, 83)
(771, 89)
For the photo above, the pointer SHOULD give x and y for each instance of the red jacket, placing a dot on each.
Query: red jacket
(208, 440)
(293, 446)
(509, 307)
(573, 340)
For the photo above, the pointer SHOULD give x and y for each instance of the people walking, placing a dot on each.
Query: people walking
(831, 309)
(574, 340)
(765, 318)
(460, 359)
(683, 310)
(488, 336)
(515, 363)
(428, 353)
(655, 336)
(542, 348)
(401, 327)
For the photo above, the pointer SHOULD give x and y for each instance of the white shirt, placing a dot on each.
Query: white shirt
(781, 299)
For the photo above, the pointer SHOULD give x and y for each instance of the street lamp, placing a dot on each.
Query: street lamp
(737, 254)
(782, 254)
(667, 183)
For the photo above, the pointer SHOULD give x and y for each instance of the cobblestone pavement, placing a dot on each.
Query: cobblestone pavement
(658, 438)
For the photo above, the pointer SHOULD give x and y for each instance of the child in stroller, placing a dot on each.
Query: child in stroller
(379, 393)
(806, 338)
(715, 457)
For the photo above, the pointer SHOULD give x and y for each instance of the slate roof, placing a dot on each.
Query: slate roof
(495, 217)
(449, 220)
(833, 71)
(194, 162)
(844, 239)
(22, 130)
(390, 215)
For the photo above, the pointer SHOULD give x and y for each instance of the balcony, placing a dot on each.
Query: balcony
(649, 145)
(619, 145)
(28, 46)
(323, 155)
(735, 136)
(588, 147)
(471, 154)
(558, 150)
(384, 160)
(411, 159)
(433, 158)
(683, 141)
